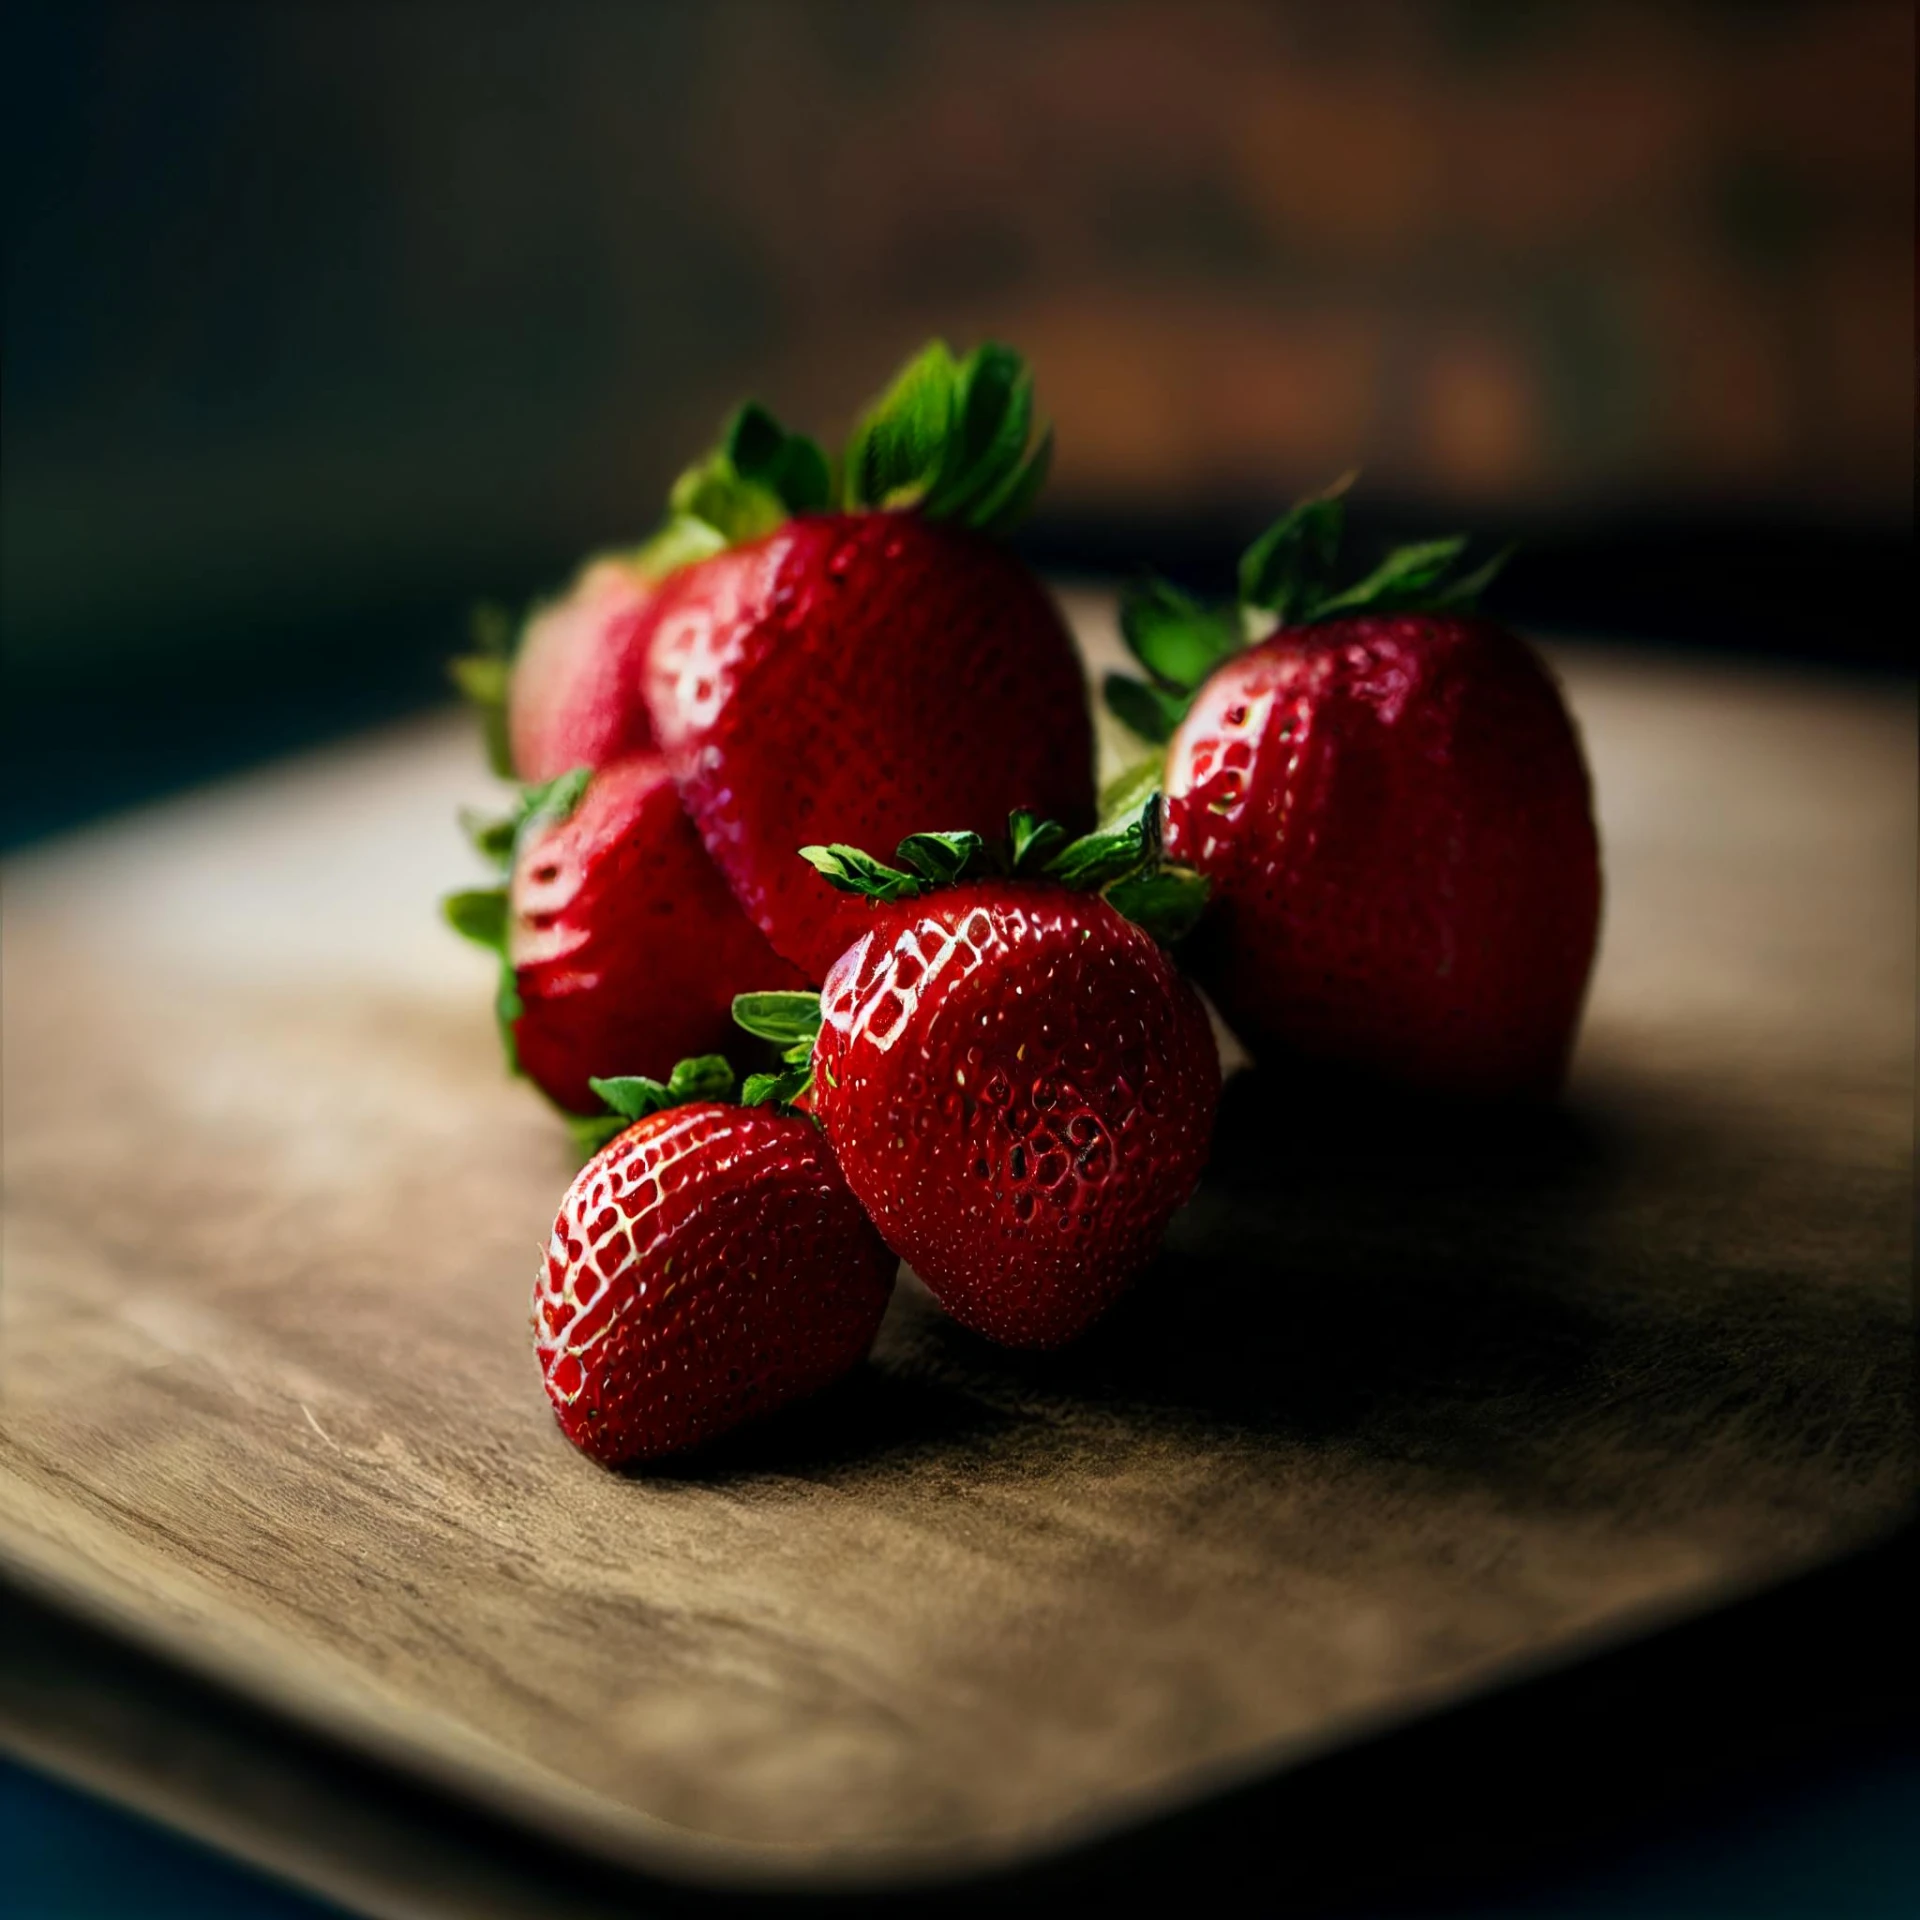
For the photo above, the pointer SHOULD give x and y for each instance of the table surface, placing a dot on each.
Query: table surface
(1409, 1406)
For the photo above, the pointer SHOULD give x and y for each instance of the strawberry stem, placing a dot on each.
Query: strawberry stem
(952, 439)
(790, 1021)
(1122, 860)
(1286, 579)
(631, 1097)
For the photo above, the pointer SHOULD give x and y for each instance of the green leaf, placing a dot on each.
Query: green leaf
(804, 478)
(491, 837)
(790, 466)
(993, 415)
(591, 1132)
(682, 541)
(1290, 560)
(853, 871)
(550, 801)
(1007, 504)
(953, 439)
(479, 914)
(632, 1095)
(1173, 636)
(753, 442)
(763, 1089)
(899, 447)
(497, 839)
(507, 1009)
(1406, 577)
(939, 858)
(741, 510)
(1166, 901)
(1033, 841)
(1094, 861)
(1286, 573)
(1151, 712)
(1464, 593)
(706, 1076)
(483, 677)
(758, 476)
(1127, 793)
(784, 1018)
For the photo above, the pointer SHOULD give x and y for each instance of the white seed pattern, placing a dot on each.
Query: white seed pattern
(605, 1225)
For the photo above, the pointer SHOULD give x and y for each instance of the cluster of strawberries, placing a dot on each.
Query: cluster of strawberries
(1361, 813)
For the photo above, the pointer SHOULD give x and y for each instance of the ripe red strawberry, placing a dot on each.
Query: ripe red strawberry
(707, 1267)
(573, 695)
(1018, 1084)
(1390, 801)
(622, 947)
(847, 677)
(564, 689)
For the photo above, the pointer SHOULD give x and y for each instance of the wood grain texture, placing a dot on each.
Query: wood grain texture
(1407, 1406)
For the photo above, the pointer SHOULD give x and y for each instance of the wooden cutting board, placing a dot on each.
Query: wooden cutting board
(1406, 1408)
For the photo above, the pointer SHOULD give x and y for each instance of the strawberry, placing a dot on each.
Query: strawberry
(707, 1267)
(563, 689)
(573, 698)
(1017, 1083)
(620, 943)
(1390, 801)
(847, 675)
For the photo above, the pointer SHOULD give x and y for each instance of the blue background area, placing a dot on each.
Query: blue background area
(1843, 1845)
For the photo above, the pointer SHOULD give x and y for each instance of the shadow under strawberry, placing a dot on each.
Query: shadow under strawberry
(1335, 1281)
(1326, 1285)
(1461, 1295)
(879, 1417)
(1544, 1307)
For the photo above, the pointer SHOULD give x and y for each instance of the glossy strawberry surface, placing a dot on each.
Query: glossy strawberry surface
(626, 945)
(707, 1267)
(1020, 1088)
(574, 697)
(858, 678)
(1395, 815)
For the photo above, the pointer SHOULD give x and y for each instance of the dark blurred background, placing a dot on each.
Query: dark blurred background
(322, 320)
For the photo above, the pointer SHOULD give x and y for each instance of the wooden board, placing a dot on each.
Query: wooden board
(1405, 1410)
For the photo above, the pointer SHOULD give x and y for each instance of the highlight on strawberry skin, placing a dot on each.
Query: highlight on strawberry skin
(1017, 1083)
(906, 637)
(708, 1266)
(851, 672)
(1389, 798)
(616, 938)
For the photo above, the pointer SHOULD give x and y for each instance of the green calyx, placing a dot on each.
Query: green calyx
(480, 914)
(789, 1021)
(482, 675)
(544, 803)
(1286, 579)
(633, 1096)
(758, 476)
(952, 439)
(1123, 861)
